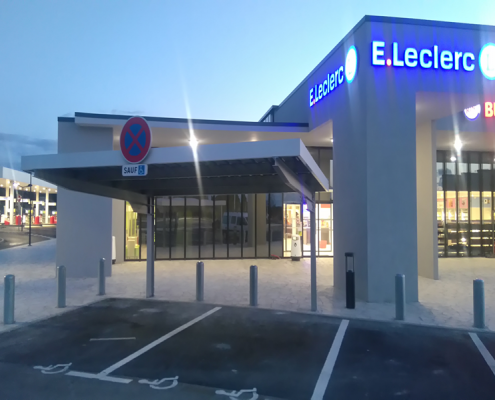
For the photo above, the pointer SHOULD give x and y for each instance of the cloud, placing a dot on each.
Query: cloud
(15, 146)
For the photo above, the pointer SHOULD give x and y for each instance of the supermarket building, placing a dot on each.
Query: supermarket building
(386, 150)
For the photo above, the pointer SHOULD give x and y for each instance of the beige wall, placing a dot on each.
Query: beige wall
(426, 201)
(84, 231)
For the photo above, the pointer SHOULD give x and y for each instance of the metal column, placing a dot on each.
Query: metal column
(313, 253)
(150, 253)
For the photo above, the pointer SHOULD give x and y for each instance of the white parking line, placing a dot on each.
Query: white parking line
(156, 342)
(326, 372)
(484, 351)
(99, 377)
(111, 338)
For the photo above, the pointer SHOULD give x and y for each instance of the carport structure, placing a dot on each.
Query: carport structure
(277, 166)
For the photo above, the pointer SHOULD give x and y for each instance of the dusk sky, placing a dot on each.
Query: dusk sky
(227, 60)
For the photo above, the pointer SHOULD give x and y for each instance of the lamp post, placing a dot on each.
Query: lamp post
(30, 204)
(30, 186)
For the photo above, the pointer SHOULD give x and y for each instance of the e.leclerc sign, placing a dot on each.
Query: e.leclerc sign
(336, 78)
(434, 57)
(135, 144)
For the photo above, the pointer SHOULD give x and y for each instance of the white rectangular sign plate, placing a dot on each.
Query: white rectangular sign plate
(135, 170)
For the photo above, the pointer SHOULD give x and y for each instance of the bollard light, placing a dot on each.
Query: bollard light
(350, 291)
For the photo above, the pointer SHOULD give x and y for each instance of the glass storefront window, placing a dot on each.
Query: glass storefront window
(465, 203)
(162, 228)
(276, 215)
(177, 215)
(451, 222)
(131, 233)
(441, 223)
(207, 227)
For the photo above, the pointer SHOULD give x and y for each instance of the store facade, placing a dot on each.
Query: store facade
(387, 118)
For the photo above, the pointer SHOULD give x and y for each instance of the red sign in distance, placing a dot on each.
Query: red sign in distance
(135, 139)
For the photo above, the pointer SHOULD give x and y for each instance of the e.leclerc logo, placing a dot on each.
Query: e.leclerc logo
(435, 57)
(336, 78)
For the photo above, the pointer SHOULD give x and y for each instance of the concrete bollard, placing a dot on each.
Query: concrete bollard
(101, 277)
(61, 286)
(200, 281)
(400, 297)
(253, 285)
(8, 299)
(479, 303)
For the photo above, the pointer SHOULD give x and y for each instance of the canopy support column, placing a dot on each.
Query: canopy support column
(150, 251)
(312, 221)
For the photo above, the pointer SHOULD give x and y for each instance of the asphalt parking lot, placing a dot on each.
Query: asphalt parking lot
(128, 349)
(12, 236)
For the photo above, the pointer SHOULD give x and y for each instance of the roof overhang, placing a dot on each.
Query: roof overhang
(251, 167)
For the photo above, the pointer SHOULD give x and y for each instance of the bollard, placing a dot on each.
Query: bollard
(479, 303)
(101, 277)
(400, 297)
(253, 285)
(61, 292)
(200, 281)
(350, 291)
(8, 299)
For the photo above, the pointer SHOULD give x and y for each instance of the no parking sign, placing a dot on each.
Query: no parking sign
(135, 139)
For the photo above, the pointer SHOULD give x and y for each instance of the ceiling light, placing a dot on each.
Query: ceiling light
(452, 158)
(458, 144)
(193, 142)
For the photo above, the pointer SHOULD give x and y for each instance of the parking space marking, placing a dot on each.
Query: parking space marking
(98, 376)
(484, 351)
(157, 342)
(111, 338)
(326, 372)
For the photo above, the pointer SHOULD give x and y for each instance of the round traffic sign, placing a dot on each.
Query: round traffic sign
(135, 139)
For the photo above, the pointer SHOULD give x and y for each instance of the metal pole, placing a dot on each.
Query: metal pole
(61, 286)
(400, 297)
(101, 277)
(200, 281)
(8, 299)
(150, 253)
(479, 303)
(313, 255)
(253, 285)
(30, 204)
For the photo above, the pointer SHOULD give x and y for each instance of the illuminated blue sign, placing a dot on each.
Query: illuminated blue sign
(336, 78)
(487, 61)
(425, 58)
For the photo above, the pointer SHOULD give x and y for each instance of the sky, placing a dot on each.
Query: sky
(209, 59)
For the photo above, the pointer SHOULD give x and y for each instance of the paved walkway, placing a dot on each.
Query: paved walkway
(283, 284)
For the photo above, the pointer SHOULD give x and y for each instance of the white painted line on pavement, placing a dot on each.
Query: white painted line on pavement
(483, 350)
(157, 342)
(326, 372)
(111, 338)
(99, 376)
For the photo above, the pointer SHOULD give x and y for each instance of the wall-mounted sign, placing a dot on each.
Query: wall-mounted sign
(473, 113)
(489, 109)
(434, 57)
(336, 78)
(135, 139)
(487, 61)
